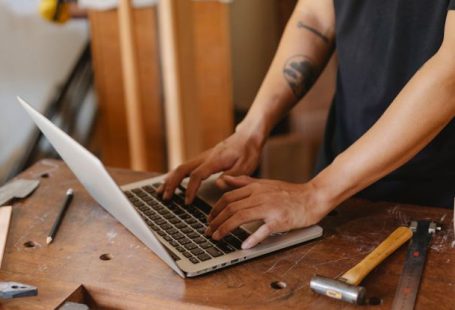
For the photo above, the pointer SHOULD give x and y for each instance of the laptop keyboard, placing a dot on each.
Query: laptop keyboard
(183, 227)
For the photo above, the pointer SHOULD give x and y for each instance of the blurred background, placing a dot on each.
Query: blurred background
(150, 84)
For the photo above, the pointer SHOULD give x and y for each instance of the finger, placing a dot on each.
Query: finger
(259, 235)
(176, 176)
(241, 217)
(239, 181)
(228, 198)
(236, 170)
(201, 173)
(228, 212)
(160, 189)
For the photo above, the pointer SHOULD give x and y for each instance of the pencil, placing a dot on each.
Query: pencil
(59, 219)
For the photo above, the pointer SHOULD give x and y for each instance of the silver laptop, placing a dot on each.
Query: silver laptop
(173, 231)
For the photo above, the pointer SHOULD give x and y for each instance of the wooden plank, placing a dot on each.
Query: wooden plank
(135, 122)
(171, 82)
(213, 72)
(195, 45)
(112, 133)
(5, 217)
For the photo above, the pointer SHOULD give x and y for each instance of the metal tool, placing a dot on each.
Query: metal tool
(17, 189)
(347, 286)
(15, 290)
(409, 283)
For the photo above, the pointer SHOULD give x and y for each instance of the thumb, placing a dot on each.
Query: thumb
(239, 181)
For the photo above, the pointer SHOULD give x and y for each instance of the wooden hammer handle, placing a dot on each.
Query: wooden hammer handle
(356, 274)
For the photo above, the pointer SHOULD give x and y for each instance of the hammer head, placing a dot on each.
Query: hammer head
(338, 290)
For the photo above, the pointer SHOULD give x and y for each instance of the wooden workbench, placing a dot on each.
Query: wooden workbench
(132, 277)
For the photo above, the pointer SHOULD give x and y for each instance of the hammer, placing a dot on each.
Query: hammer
(346, 286)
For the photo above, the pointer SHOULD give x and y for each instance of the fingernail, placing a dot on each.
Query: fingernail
(216, 235)
(246, 244)
(208, 231)
(209, 217)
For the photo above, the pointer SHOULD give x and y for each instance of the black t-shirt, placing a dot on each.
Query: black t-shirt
(380, 46)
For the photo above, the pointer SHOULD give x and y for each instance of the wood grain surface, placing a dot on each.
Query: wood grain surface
(134, 278)
(5, 217)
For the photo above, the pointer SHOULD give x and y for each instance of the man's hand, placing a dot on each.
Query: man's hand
(237, 155)
(281, 206)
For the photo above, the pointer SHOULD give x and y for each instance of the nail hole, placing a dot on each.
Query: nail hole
(106, 257)
(278, 285)
(374, 301)
(29, 244)
(45, 175)
(333, 213)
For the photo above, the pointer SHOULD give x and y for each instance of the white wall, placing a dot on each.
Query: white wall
(35, 59)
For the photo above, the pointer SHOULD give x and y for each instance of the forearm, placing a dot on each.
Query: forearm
(303, 52)
(422, 109)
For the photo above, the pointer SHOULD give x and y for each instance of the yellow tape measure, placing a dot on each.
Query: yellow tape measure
(56, 11)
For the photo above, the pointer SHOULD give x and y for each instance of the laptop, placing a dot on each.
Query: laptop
(173, 231)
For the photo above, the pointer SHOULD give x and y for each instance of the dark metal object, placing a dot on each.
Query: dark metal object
(408, 286)
(10, 290)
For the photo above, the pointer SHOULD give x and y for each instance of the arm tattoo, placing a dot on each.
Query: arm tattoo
(314, 31)
(300, 75)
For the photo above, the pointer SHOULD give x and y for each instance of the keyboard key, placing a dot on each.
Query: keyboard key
(196, 225)
(160, 222)
(214, 251)
(201, 230)
(193, 260)
(166, 226)
(233, 241)
(201, 205)
(223, 246)
(193, 235)
(200, 240)
(185, 216)
(128, 194)
(161, 233)
(167, 238)
(172, 231)
(163, 211)
(190, 220)
(184, 241)
(174, 243)
(206, 245)
(186, 230)
(155, 217)
(149, 189)
(178, 236)
(203, 257)
(190, 246)
(180, 225)
(187, 254)
(156, 185)
(169, 216)
(149, 213)
(180, 249)
(174, 221)
(197, 251)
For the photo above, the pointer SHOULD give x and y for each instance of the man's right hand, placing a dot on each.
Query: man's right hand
(237, 155)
